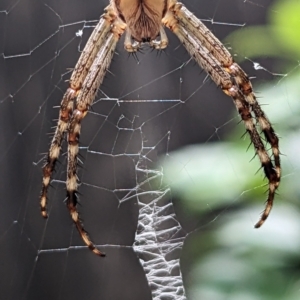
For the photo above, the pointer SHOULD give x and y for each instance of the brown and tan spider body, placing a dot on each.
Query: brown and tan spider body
(143, 18)
(143, 21)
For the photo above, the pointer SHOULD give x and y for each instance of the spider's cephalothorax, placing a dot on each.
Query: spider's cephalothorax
(143, 17)
(143, 21)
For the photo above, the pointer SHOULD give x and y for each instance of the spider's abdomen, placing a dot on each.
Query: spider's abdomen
(143, 17)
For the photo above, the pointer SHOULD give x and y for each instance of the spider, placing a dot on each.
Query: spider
(143, 21)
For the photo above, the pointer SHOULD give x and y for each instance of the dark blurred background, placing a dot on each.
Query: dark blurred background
(38, 49)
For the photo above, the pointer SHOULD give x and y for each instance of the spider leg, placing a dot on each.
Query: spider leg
(263, 121)
(199, 31)
(230, 86)
(66, 107)
(83, 102)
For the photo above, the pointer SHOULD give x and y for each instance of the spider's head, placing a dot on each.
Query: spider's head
(143, 18)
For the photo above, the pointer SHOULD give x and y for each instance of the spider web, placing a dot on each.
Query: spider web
(147, 107)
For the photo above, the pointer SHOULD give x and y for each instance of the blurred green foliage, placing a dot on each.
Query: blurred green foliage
(279, 38)
(231, 259)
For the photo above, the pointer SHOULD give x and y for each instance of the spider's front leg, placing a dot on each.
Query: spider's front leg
(200, 32)
(83, 102)
(84, 83)
(66, 107)
(216, 60)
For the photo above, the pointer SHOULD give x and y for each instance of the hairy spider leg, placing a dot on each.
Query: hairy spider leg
(199, 31)
(215, 59)
(66, 107)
